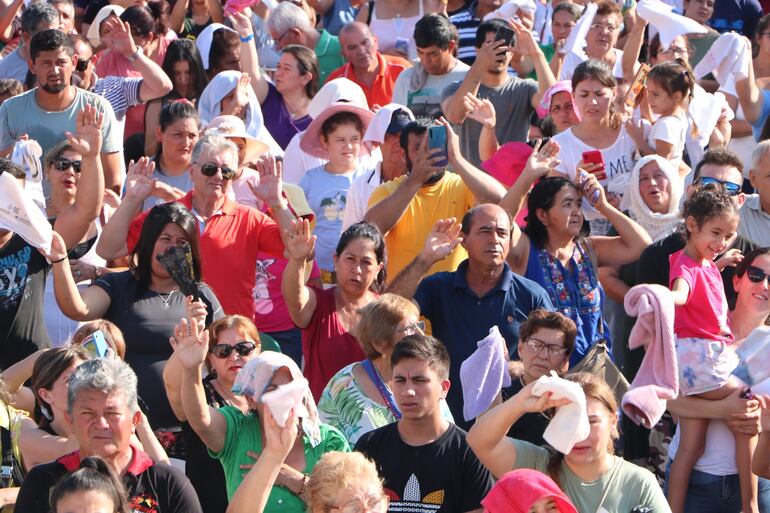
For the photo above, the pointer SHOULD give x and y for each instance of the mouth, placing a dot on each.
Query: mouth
(235, 368)
(761, 297)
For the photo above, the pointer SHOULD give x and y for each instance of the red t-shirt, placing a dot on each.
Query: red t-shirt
(381, 90)
(326, 345)
(229, 246)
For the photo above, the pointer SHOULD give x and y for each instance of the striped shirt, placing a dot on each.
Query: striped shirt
(121, 92)
(466, 23)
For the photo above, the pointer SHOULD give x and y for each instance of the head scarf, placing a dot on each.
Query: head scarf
(518, 490)
(204, 39)
(209, 107)
(254, 378)
(656, 225)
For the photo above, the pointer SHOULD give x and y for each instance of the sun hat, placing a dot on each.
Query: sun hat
(311, 139)
(337, 90)
(232, 127)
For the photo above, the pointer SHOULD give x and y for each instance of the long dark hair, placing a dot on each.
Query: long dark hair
(46, 370)
(94, 475)
(542, 196)
(366, 231)
(149, 19)
(140, 262)
(185, 50)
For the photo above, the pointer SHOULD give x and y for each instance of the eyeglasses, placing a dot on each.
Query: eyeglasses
(732, 188)
(603, 27)
(224, 350)
(82, 64)
(757, 275)
(554, 350)
(674, 50)
(63, 164)
(413, 328)
(375, 504)
(211, 169)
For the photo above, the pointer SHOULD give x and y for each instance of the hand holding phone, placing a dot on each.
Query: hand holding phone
(437, 138)
(595, 157)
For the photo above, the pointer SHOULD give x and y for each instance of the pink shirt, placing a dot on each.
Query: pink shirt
(705, 313)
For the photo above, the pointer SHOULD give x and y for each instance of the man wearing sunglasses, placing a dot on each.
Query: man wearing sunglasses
(717, 168)
(231, 234)
(755, 214)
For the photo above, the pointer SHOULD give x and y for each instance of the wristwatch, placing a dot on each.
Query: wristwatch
(135, 55)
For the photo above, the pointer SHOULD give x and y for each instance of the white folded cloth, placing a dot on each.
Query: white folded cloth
(19, 214)
(570, 423)
(729, 55)
(284, 398)
(669, 25)
(510, 10)
(576, 41)
(27, 154)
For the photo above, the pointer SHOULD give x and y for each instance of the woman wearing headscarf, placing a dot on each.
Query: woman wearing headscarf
(526, 491)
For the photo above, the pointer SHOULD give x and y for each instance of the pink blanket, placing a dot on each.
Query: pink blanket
(658, 378)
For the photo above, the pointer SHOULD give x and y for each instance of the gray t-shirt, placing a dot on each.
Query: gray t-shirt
(15, 66)
(513, 106)
(182, 182)
(22, 115)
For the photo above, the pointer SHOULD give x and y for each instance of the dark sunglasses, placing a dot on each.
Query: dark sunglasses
(211, 169)
(733, 189)
(757, 275)
(82, 64)
(63, 164)
(224, 350)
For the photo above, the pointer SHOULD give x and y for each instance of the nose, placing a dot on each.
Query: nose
(101, 422)
(594, 101)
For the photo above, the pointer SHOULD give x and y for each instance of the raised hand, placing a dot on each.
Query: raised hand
(270, 188)
(731, 258)
(190, 344)
(58, 249)
(426, 161)
(490, 54)
(237, 104)
(531, 403)
(442, 240)
(480, 110)
(280, 440)
(196, 310)
(525, 41)
(588, 184)
(452, 141)
(87, 139)
(118, 37)
(543, 159)
(298, 241)
(139, 182)
(241, 23)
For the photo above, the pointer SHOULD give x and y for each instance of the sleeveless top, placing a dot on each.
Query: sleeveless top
(389, 31)
(575, 291)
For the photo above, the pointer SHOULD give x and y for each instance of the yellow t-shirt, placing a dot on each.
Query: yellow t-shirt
(449, 197)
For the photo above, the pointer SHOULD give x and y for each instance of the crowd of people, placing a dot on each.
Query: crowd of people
(277, 256)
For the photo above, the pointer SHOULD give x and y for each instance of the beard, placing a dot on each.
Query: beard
(53, 89)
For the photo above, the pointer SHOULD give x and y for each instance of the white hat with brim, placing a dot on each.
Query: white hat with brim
(104, 13)
(311, 138)
(232, 127)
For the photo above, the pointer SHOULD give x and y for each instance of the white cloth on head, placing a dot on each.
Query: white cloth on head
(484, 373)
(375, 132)
(204, 39)
(286, 398)
(93, 30)
(209, 107)
(576, 41)
(668, 24)
(570, 423)
(510, 10)
(19, 214)
(729, 55)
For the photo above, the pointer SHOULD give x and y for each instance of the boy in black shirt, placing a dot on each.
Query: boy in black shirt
(425, 461)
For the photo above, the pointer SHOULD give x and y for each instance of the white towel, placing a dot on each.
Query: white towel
(729, 55)
(510, 10)
(19, 214)
(570, 424)
(27, 154)
(203, 41)
(576, 41)
(284, 398)
(706, 108)
(375, 132)
(668, 24)
(484, 373)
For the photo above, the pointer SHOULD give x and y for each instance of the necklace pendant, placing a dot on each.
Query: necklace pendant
(166, 306)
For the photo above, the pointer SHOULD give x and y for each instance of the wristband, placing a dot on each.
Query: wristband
(135, 55)
(62, 259)
(247, 38)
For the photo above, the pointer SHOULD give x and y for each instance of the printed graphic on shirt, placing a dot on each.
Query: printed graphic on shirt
(619, 167)
(143, 503)
(413, 501)
(334, 208)
(262, 302)
(14, 275)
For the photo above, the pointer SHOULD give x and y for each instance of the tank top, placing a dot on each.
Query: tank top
(390, 31)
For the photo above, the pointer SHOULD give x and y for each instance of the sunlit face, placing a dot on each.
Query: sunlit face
(172, 235)
(213, 187)
(84, 53)
(754, 297)
(654, 188)
(288, 77)
(228, 368)
(549, 358)
(699, 10)
(661, 102)
(713, 237)
(565, 215)
(89, 501)
(64, 181)
(595, 447)
(103, 423)
(178, 139)
(357, 266)
(56, 396)
(760, 180)
(359, 47)
(562, 24)
(563, 111)
(366, 496)
(593, 99)
(417, 388)
(603, 35)
(66, 17)
(53, 70)
(435, 60)
(343, 144)
(488, 239)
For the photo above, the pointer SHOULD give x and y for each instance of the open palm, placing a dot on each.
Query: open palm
(443, 239)
(87, 139)
(190, 344)
(299, 242)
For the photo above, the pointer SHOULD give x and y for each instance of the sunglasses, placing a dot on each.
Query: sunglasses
(733, 189)
(224, 350)
(211, 169)
(757, 275)
(63, 164)
(82, 64)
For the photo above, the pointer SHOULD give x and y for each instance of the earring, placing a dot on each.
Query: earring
(47, 414)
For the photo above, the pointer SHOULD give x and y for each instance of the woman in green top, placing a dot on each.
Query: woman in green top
(237, 438)
(591, 475)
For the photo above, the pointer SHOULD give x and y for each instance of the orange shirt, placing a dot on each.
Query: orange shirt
(381, 90)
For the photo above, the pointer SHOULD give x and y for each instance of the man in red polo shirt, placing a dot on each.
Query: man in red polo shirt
(231, 234)
(374, 72)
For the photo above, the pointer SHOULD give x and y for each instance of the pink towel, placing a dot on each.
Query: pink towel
(234, 6)
(658, 378)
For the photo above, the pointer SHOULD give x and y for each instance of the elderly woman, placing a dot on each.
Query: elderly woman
(600, 40)
(102, 406)
(591, 475)
(232, 434)
(358, 398)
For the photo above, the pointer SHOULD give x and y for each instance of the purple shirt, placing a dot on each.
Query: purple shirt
(278, 121)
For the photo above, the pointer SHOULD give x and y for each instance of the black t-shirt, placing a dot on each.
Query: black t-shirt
(152, 488)
(444, 476)
(531, 426)
(147, 320)
(23, 271)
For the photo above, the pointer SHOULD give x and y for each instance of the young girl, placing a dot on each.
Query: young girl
(335, 135)
(703, 336)
(93, 487)
(669, 87)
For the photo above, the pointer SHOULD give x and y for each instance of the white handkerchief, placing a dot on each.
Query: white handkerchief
(19, 214)
(577, 38)
(728, 55)
(570, 423)
(668, 24)
(284, 398)
(510, 10)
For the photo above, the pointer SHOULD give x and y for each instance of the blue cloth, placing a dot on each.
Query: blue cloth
(459, 318)
(756, 128)
(739, 16)
(575, 292)
(339, 15)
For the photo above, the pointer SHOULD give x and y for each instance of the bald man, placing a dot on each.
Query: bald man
(374, 72)
(483, 292)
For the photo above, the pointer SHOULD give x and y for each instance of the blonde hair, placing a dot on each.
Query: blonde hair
(334, 472)
(379, 322)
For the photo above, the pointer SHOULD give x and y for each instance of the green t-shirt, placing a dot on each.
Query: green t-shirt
(631, 485)
(329, 54)
(548, 51)
(244, 434)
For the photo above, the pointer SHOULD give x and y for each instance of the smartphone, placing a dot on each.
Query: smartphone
(437, 139)
(595, 157)
(636, 89)
(507, 35)
(96, 345)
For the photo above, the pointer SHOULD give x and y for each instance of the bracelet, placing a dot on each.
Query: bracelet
(247, 38)
(62, 259)
(135, 55)
(281, 204)
(304, 482)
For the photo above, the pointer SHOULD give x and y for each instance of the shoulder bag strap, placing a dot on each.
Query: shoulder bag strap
(385, 392)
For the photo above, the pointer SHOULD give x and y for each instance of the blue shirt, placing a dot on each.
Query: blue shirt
(459, 318)
(756, 128)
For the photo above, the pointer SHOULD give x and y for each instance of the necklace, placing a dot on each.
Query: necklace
(166, 299)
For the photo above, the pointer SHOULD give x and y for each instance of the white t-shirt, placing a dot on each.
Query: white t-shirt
(673, 130)
(572, 60)
(618, 160)
(358, 196)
